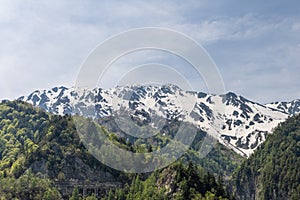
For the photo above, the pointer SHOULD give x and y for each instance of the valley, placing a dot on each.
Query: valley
(39, 142)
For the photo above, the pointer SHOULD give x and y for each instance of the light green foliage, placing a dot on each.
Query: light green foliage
(28, 135)
(17, 135)
(32, 140)
(174, 182)
(28, 186)
(75, 194)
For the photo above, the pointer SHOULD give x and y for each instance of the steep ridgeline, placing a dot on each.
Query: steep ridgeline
(273, 171)
(244, 124)
(292, 108)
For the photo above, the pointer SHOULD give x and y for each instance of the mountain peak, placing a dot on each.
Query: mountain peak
(291, 108)
(246, 123)
(231, 94)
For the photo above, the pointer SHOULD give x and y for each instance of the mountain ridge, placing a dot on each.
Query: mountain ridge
(244, 123)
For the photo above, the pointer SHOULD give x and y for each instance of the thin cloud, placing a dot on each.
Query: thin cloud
(44, 43)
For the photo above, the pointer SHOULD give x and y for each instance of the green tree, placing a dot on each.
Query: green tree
(75, 194)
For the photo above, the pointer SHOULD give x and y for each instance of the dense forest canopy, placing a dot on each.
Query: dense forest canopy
(39, 150)
(273, 171)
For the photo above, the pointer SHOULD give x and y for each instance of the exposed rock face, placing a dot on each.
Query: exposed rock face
(74, 172)
(292, 108)
(244, 124)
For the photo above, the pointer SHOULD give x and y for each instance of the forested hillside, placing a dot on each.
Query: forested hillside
(177, 181)
(273, 171)
(39, 150)
(41, 157)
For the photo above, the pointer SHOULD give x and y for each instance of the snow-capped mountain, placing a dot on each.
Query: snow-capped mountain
(244, 124)
(292, 108)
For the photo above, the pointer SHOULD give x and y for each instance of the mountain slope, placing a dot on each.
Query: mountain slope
(33, 141)
(35, 145)
(292, 108)
(177, 181)
(243, 125)
(273, 171)
(39, 147)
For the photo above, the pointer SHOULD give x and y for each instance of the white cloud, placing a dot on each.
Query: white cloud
(43, 43)
(244, 27)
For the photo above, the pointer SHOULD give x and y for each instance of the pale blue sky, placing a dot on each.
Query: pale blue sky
(255, 44)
